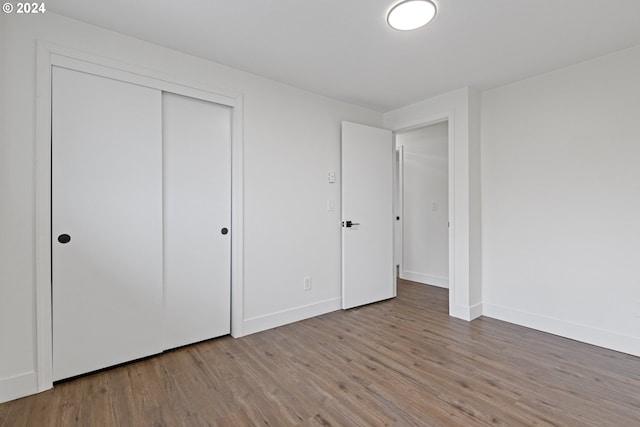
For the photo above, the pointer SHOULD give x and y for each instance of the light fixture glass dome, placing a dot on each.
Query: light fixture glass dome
(411, 14)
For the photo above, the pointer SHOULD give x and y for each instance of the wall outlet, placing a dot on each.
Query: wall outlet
(307, 283)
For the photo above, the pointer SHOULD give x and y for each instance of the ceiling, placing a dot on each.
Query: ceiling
(343, 48)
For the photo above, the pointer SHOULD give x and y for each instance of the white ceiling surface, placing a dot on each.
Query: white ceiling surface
(343, 48)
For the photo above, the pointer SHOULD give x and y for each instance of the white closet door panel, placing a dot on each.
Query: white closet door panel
(107, 195)
(197, 206)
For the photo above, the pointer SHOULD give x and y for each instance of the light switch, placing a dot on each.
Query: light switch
(332, 177)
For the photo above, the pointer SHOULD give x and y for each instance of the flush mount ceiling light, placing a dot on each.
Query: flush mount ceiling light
(411, 14)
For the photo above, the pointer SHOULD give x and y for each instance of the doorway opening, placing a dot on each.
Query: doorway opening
(422, 204)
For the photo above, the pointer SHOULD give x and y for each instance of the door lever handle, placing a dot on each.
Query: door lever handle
(349, 224)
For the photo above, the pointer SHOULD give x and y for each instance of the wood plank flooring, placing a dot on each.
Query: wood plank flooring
(402, 362)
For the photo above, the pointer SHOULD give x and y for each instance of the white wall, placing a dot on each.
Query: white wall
(291, 140)
(425, 236)
(561, 201)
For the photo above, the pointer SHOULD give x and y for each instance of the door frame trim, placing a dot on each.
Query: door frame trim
(462, 109)
(434, 120)
(49, 55)
(398, 188)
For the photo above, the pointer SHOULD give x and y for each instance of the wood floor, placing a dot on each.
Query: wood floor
(401, 362)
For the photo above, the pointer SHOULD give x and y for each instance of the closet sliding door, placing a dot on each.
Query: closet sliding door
(197, 218)
(141, 217)
(106, 222)
(141, 221)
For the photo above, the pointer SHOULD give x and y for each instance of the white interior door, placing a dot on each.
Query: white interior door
(398, 204)
(107, 199)
(367, 215)
(197, 217)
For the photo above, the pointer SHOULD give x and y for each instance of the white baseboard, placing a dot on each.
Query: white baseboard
(427, 279)
(19, 386)
(476, 311)
(574, 331)
(466, 313)
(273, 320)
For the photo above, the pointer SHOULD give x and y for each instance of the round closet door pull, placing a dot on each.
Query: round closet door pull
(225, 230)
(64, 238)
